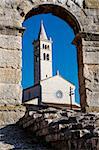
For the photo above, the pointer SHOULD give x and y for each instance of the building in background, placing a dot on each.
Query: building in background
(48, 89)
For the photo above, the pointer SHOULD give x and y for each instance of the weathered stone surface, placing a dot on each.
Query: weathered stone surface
(10, 76)
(71, 130)
(80, 126)
(9, 3)
(10, 94)
(25, 6)
(10, 42)
(13, 137)
(94, 28)
(10, 114)
(90, 49)
(12, 15)
(9, 58)
(91, 74)
(93, 99)
(90, 43)
(91, 57)
(92, 3)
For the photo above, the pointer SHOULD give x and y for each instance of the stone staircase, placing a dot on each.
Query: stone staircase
(62, 129)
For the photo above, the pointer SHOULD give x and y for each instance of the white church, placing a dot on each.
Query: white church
(48, 89)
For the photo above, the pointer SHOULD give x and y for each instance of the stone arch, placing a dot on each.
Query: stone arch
(83, 20)
(68, 11)
(58, 11)
(67, 16)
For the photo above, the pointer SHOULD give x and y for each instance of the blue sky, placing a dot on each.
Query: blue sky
(64, 53)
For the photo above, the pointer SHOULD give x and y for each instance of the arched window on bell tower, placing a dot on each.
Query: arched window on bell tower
(47, 56)
(44, 56)
(43, 46)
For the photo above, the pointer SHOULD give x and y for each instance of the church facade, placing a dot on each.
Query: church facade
(48, 89)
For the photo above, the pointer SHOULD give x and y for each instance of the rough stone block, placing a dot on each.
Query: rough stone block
(91, 86)
(92, 12)
(86, 20)
(96, 19)
(10, 42)
(90, 49)
(92, 98)
(92, 3)
(10, 94)
(28, 123)
(91, 74)
(42, 132)
(11, 116)
(90, 43)
(25, 6)
(10, 17)
(52, 137)
(9, 58)
(10, 76)
(91, 28)
(91, 57)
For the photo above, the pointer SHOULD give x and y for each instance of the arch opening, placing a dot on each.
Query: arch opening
(58, 11)
(64, 15)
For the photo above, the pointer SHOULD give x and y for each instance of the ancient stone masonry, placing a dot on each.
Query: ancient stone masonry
(10, 114)
(82, 16)
(61, 129)
(92, 4)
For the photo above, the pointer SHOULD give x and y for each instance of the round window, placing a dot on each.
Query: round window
(59, 94)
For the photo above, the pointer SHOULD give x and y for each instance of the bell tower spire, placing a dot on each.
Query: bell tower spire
(42, 56)
(42, 33)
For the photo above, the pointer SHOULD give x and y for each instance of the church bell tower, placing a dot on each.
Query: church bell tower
(42, 56)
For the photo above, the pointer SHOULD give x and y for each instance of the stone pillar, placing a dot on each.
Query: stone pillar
(88, 63)
(10, 65)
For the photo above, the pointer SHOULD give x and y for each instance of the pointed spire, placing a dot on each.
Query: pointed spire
(42, 34)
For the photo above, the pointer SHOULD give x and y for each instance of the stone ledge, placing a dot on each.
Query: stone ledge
(12, 30)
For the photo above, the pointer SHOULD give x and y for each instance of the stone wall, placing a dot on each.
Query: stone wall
(92, 3)
(61, 129)
(11, 114)
(10, 55)
(83, 17)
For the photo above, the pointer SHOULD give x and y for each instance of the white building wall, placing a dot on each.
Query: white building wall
(46, 42)
(54, 84)
(46, 70)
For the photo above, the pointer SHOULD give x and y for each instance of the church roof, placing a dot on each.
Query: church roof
(42, 33)
(58, 75)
